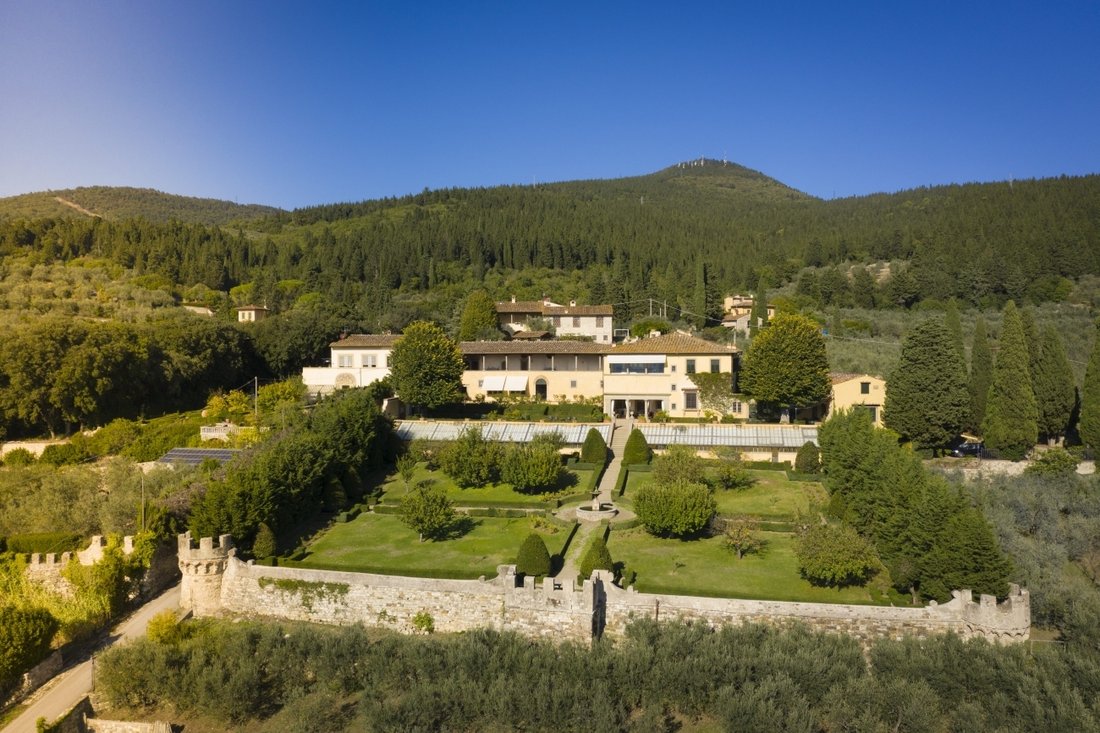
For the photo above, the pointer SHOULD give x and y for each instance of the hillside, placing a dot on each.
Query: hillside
(116, 203)
(682, 235)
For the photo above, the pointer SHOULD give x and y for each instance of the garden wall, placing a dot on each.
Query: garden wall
(216, 582)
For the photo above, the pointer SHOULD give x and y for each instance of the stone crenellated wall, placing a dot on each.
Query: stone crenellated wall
(46, 569)
(217, 582)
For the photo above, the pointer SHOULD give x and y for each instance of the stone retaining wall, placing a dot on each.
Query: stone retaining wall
(216, 582)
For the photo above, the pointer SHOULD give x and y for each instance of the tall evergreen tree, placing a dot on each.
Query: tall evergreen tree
(981, 374)
(1089, 423)
(758, 316)
(1011, 424)
(479, 319)
(954, 327)
(927, 401)
(1054, 387)
(1034, 342)
(863, 288)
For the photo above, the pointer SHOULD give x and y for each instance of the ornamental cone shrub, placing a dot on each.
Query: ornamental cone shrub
(594, 449)
(637, 449)
(533, 557)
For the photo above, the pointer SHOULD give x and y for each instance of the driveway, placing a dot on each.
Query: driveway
(58, 695)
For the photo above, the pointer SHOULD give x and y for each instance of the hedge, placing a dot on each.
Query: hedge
(768, 465)
(808, 477)
(503, 513)
(414, 573)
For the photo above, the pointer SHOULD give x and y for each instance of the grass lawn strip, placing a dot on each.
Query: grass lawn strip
(500, 494)
(773, 496)
(382, 544)
(708, 568)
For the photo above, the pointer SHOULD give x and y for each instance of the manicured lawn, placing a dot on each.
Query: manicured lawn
(575, 482)
(707, 568)
(773, 496)
(382, 544)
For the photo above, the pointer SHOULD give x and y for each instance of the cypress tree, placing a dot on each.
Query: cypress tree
(758, 316)
(954, 327)
(1011, 424)
(1034, 344)
(927, 401)
(1089, 423)
(981, 374)
(1054, 386)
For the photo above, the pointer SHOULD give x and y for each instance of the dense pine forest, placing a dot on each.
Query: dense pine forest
(683, 235)
(673, 242)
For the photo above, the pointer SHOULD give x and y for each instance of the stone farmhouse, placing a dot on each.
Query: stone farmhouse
(594, 321)
(636, 379)
(737, 311)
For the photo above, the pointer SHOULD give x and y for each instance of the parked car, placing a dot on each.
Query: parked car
(963, 450)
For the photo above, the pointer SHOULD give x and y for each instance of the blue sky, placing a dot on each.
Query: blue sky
(288, 105)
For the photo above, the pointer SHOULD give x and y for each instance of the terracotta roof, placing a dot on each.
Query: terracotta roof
(578, 310)
(839, 377)
(532, 335)
(533, 347)
(553, 309)
(252, 308)
(672, 343)
(366, 340)
(520, 306)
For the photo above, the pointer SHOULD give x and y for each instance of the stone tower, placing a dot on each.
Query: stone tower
(202, 569)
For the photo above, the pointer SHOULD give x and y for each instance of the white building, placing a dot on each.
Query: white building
(594, 321)
(357, 360)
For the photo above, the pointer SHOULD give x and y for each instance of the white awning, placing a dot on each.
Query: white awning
(493, 384)
(515, 384)
(635, 359)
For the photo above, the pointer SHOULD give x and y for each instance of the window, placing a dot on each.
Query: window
(645, 368)
(370, 361)
(865, 388)
(691, 366)
(480, 383)
(345, 360)
(557, 321)
(572, 384)
(599, 321)
(691, 400)
(715, 366)
(576, 321)
(673, 368)
(736, 407)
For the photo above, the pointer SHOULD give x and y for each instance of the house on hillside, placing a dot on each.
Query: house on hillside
(357, 360)
(862, 391)
(555, 371)
(737, 311)
(653, 374)
(252, 313)
(594, 321)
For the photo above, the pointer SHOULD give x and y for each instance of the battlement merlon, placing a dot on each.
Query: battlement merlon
(206, 549)
(1010, 618)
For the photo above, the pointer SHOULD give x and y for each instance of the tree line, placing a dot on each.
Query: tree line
(678, 237)
(659, 677)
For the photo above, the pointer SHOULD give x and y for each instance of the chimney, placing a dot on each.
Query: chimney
(513, 299)
(572, 304)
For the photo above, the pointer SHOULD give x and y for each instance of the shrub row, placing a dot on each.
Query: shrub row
(807, 477)
(768, 465)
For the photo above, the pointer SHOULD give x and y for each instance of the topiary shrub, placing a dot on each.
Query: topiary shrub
(637, 449)
(678, 509)
(836, 555)
(533, 558)
(808, 458)
(596, 557)
(594, 449)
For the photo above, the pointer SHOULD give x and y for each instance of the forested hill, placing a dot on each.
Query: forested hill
(683, 235)
(115, 203)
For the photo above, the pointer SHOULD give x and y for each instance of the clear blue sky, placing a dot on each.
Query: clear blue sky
(294, 103)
